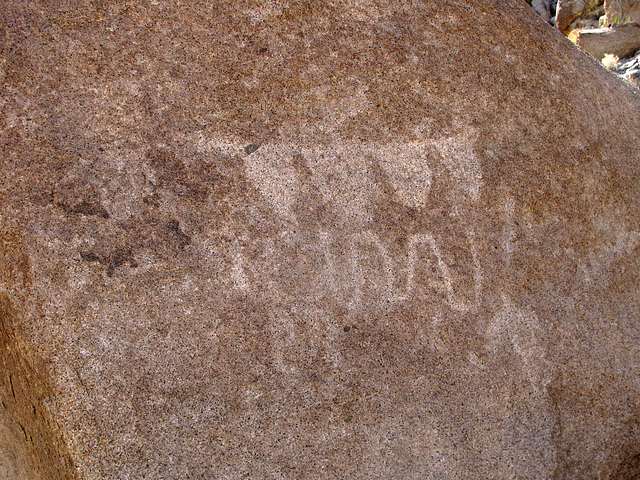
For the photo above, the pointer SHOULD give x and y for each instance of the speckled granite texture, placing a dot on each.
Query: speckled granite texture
(314, 240)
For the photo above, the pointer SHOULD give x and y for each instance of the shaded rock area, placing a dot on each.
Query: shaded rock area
(629, 69)
(546, 9)
(577, 14)
(314, 240)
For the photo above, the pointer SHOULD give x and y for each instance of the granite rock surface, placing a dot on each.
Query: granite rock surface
(622, 11)
(629, 70)
(619, 40)
(577, 14)
(314, 239)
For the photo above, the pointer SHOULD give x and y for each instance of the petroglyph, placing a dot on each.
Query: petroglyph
(345, 180)
(453, 299)
(407, 166)
(275, 178)
(366, 273)
(435, 340)
(238, 275)
(369, 238)
(342, 173)
(445, 282)
(459, 156)
(522, 330)
(311, 327)
(509, 229)
(518, 330)
(615, 240)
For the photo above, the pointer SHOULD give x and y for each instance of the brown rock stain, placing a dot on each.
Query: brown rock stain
(34, 436)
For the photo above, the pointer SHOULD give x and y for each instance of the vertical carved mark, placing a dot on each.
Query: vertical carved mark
(509, 229)
(368, 238)
(453, 299)
(13, 392)
(331, 269)
(238, 275)
(522, 330)
(460, 158)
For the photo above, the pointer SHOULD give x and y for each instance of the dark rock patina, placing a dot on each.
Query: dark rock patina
(314, 240)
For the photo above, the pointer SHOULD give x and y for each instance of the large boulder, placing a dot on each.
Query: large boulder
(629, 69)
(621, 11)
(314, 240)
(576, 14)
(619, 40)
(545, 8)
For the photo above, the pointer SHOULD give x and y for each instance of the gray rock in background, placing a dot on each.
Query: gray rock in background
(545, 8)
(572, 14)
(315, 240)
(630, 70)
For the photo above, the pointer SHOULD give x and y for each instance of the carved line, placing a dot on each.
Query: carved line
(370, 238)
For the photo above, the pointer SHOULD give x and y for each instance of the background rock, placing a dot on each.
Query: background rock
(315, 240)
(619, 40)
(546, 9)
(573, 14)
(621, 11)
(630, 70)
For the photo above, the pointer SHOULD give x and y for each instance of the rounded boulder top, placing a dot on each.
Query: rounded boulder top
(314, 239)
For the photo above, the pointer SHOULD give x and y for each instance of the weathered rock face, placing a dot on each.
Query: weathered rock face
(545, 8)
(315, 240)
(573, 14)
(619, 40)
(630, 70)
(622, 11)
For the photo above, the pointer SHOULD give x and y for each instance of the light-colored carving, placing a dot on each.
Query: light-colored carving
(369, 238)
(342, 177)
(519, 330)
(454, 300)
(460, 158)
(407, 166)
(283, 335)
(270, 169)
(523, 331)
(331, 269)
(509, 229)
(308, 328)
(366, 273)
(435, 340)
(213, 143)
(342, 173)
(345, 179)
(238, 274)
